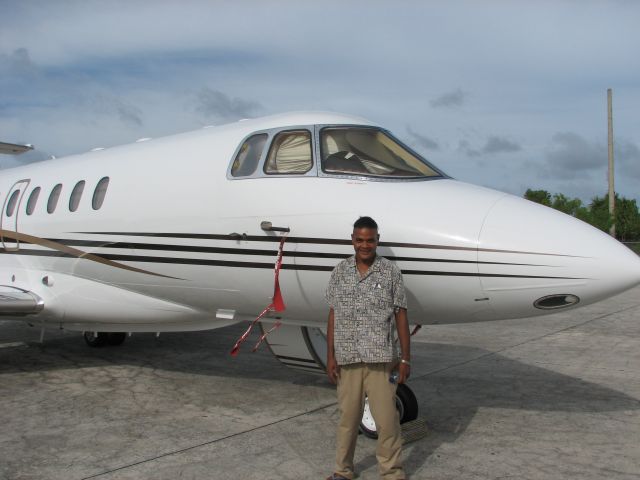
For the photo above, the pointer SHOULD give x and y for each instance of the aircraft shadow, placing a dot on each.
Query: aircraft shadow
(199, 353)
(464, 376)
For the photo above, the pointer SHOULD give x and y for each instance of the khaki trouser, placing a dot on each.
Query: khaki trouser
(372, 380)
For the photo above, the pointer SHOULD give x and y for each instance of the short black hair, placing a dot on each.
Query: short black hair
(365, 222)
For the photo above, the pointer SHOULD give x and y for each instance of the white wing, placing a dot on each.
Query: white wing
(14, 148)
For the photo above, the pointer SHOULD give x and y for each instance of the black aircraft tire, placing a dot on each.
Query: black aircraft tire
(116, 338)
(96, 339)
(409, 402)
(406, 404)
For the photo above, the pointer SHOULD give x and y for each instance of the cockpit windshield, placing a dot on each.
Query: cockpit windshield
(369, 152)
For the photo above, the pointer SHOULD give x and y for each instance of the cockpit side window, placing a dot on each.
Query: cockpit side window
(369, 152)
(248, 156)
(290, 154)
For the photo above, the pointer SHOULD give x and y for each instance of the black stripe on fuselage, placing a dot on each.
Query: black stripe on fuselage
(240, 264)
(318, 241)
(251, 251)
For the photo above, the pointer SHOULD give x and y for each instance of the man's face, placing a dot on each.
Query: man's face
(365, 242)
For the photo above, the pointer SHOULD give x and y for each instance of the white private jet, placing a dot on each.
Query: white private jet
(181, 233)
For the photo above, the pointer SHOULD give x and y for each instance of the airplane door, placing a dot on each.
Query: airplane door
(10, 213)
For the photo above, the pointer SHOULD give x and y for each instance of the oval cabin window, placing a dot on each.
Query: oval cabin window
(33, 200)
(53, 198)
(11, 204)
(99, 193)
(76, 195)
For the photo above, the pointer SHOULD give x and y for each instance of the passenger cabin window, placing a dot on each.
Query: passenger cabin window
(248, 156)
(76, 195)
(11, 204)
(99, 193)
(369, 152)
(33, 200)
(53, 198)
(290, 154)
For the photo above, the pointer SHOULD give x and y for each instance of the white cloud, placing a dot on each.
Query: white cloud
(216, 104)
(450, 99)
(494, 144)
(422, 141)
(571, 156)
(627, 157)
(124, 110)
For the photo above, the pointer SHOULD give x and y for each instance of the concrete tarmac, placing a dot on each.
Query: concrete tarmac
(555, 397)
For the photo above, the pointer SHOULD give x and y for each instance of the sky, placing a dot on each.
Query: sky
(506, 94)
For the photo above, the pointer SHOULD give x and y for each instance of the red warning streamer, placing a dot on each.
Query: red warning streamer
(264, 335)
(277, 305)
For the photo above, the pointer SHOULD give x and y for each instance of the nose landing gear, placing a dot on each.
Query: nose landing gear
(407, 407)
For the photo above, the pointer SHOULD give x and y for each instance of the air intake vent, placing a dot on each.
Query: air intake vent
(552, 302)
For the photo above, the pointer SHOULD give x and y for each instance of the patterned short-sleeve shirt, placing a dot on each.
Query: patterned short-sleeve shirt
(364, 307)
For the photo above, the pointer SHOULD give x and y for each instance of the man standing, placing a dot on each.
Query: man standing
(364, 294)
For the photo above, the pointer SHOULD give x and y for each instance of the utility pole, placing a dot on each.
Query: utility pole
(612, 195)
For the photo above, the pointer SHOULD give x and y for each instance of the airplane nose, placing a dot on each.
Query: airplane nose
(531, 253)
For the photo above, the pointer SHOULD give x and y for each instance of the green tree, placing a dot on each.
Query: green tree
(599, 215)
(539, 196)
(627, 216)
(566, 205)
(627, 219)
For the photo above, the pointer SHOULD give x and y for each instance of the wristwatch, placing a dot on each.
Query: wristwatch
(406, 362)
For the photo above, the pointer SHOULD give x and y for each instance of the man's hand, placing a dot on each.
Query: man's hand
(402, 324)
(404, 370)
(333, 370)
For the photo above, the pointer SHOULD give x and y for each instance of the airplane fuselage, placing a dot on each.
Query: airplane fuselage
(177, 243)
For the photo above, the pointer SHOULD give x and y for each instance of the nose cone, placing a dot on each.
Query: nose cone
(532, 254)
